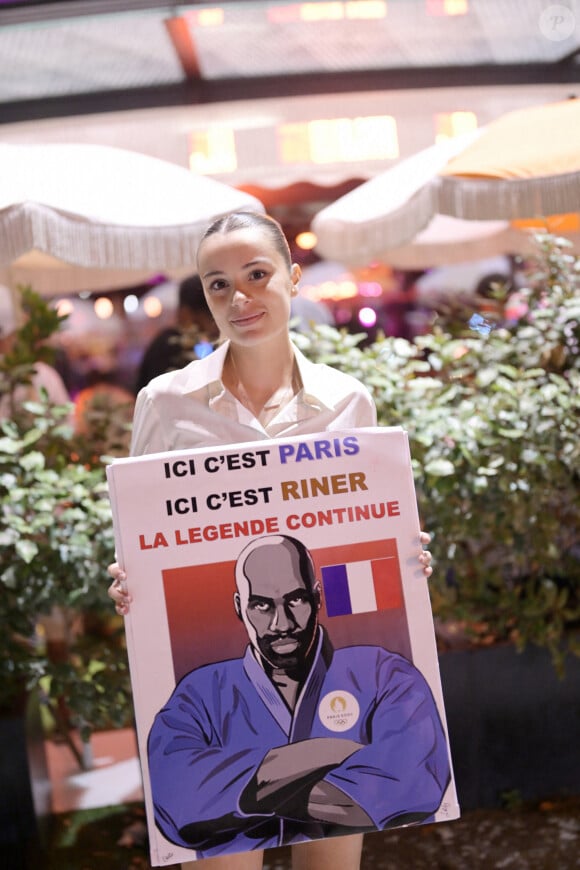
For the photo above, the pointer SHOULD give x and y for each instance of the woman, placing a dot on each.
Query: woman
(255, 385)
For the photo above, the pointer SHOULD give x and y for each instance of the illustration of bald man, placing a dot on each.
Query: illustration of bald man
(295, 741)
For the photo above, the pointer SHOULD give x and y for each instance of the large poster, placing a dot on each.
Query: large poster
(281, 644)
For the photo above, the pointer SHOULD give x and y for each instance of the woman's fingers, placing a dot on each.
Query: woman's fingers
(121, 598)
(425, 556)
(118, 589)
(116, 572)
(122, 608)
(117, 592)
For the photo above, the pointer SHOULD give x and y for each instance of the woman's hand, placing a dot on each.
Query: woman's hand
(425, 556)
(118, 589)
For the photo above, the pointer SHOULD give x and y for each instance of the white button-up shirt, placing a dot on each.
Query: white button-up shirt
(192, 408)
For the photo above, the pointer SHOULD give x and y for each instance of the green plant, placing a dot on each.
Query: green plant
(29, 347)
(55, 540)
(494, 427)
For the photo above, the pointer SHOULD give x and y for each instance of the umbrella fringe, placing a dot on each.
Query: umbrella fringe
(81, 242)
(357, 244)
(508, 199)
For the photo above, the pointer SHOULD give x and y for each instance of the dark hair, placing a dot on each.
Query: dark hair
(191, 295)
(486, 286)
(242, 220)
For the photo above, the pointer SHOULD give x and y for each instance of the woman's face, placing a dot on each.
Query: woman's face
(247, 284)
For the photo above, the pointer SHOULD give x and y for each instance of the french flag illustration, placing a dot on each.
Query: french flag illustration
(362, 586)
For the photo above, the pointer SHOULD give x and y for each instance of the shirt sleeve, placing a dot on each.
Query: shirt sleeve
(360, 407)
(356, 410)
(147, 430)
(198, 771)
(402, 774)
(364, 409)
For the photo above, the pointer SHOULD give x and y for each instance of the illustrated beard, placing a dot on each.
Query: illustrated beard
(297, 658)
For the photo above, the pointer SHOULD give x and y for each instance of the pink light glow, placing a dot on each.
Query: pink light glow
(367, 317)
(370, 288)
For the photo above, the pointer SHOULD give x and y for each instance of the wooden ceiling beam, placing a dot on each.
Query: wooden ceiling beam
(184, 45)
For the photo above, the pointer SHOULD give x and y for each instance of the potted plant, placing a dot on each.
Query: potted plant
(493, 418)
(55, 540)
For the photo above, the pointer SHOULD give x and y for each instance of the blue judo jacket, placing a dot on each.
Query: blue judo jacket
(207, 743)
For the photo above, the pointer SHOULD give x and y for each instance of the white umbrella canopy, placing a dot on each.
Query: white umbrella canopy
(523, 165)
(458, 278)
(91, 217)
(448, 240)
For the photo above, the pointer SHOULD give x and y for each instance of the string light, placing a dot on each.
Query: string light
(103, 308)
(152, 306)
(130, 303)
(64, 307)
(307, 241)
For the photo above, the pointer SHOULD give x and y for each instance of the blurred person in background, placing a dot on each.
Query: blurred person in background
(44, 378)
(103, 414)
(192, 337)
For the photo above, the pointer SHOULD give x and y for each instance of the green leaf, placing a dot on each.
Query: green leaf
(486, 376)
(512, 434)
(440, 468)
(27, 550)
(9, 446)
(32, 461)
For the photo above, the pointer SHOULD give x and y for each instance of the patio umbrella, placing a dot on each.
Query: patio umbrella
(90, 217)
(524, 165)
(461, 278)
(448, 240)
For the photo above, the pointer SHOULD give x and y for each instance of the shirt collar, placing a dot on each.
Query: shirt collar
(206, 374)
